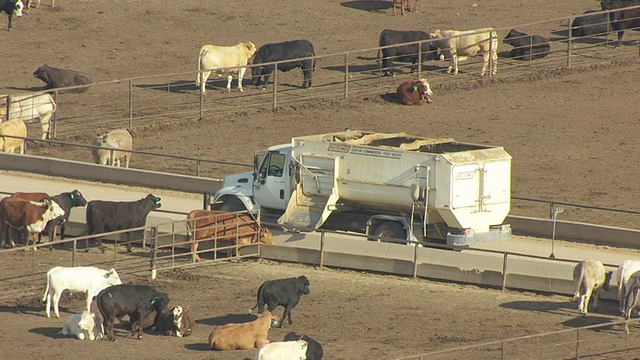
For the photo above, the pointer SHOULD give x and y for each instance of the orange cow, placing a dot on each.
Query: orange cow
(242, 336)
(237, 227)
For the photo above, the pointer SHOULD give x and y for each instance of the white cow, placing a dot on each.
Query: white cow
(84, 326)
(117, 139)
(589, 278)
(87, 279)
(631, 299)
(28, 108)
(283, 350)
(458, 45)
(214, 58)
(14, 128)
(625, 270)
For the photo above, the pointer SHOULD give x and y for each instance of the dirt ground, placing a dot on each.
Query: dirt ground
(572, 135)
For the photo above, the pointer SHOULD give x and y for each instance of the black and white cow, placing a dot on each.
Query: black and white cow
(59, 78)
(314, 349)
(623, 18)
(527, 47)
(295, 50)
(66, 200)
(591, 23)
(406, 52)
(282, 292)
(105, 216)
(136, 301)
(11, 8)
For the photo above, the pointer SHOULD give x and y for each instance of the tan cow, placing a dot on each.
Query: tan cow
(404, 4)
(239, 228)
(242, 336)
(589, 278)
(213, 58)
(28, 108)
(414, 92)
(457, 45)
(12, 128)
(115, 139)
(631, 298)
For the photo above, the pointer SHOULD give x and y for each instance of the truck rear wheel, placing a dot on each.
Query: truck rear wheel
(389, 229)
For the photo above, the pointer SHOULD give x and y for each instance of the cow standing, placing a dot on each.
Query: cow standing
(626, 16)
(11, 8)
(282, 292)
(217, 59)
(136, 301)
(527, 47)
(86, 279)
(458, 45)
(626, 269)
(288, 50)
(26, 215)
(119, 140)
(236, 227)
(404, 4)
(414, 92)
(105, 216)
(590, 24)
(66, 201)
(29, 108)
(60, 78)
(403, 51)
(84, 326)
(589, 278)
(15, 127)
(314, 349)
(242, 336)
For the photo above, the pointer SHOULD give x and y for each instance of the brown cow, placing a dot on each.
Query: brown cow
(404, 4)
(414, 92)
(29, 196)
(243, 336)
(28, 215)
(237, 227)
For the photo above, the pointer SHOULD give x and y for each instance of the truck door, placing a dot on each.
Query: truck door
(270, 187)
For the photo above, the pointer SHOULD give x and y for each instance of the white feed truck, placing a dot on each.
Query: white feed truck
(391, 187)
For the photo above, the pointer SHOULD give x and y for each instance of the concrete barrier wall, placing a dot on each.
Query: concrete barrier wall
(107, 174)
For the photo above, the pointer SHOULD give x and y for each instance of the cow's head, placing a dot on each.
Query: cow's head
(17, 8)
(42, 74)
(304, 282)
(437, 34)
(251, 48)
(425, 90)
(266, 236)
(53, 210)
(607, 280)
(112, 277)
(159, 303)
(77, 199)
(156, 201)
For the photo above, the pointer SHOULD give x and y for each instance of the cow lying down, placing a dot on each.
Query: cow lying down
(177, 321)
(242, 336)
(86, 325)
(414, 92)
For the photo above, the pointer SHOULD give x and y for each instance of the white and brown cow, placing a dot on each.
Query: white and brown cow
(457, 45)
(26, 215)
(236, 227)
(414, 92)
(589, 278)
(29, 108)
(224, 60)
(9, 144)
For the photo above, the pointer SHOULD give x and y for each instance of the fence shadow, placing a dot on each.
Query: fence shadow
(174, 87)
(374, 6)
(226, 319)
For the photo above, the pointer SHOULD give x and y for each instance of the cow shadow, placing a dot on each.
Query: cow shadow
(198, 347)
(178, 86)
(552, 307)
(29, 309)
(50, 332)
(390, 98)
(226, 319)
(32, 88)
(374, 6)
(582, 321)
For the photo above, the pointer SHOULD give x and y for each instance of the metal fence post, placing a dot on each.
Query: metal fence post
(504, 271)
(415, 260)
(275, 86)
(130, 104)
(419, 61)
(569, 44)
(201, 95)
(8, 107)
(322, 249)
(154, 252)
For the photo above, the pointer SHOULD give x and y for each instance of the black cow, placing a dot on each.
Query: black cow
(404, 53)
(11, 8)
(282, 292)
(623, 18)
(295, 49)
(527, 47)
(314, 349)
(66, 200)
(136, 301)
(590, 24)
(106, 216)
(58, 78)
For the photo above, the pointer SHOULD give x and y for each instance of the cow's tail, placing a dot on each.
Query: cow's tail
(46, 291)
(259, 300)
(577, 280)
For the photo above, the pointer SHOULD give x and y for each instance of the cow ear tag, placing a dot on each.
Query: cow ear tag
(106, 276)
(415, 88)
(153, 301)
(71, 196)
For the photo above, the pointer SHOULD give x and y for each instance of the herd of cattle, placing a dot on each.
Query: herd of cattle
(590, 277)
(148, 309)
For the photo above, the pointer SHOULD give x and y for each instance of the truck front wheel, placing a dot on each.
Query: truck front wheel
(229, 203)
(389, 229)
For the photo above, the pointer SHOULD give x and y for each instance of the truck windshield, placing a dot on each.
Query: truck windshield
(272, 165)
